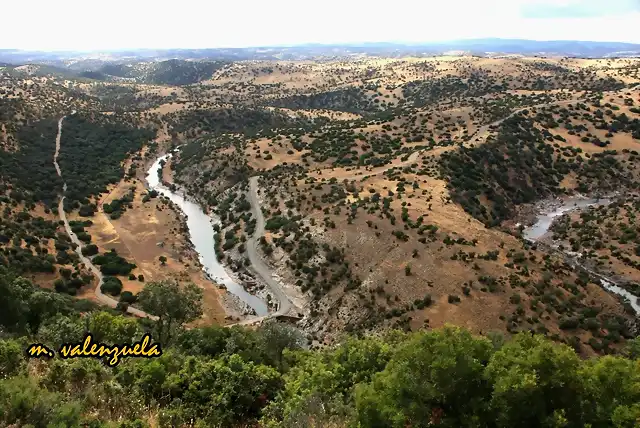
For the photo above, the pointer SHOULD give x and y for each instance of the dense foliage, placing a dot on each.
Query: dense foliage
(173, 72)
(25, 244)
(353, 100)
(30, 169)
(248, 121)
(91, 153)
(521, 167)
(226, 377)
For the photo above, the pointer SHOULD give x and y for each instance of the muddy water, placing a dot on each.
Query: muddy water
(201, 234)
(543, 223)
(633, 300)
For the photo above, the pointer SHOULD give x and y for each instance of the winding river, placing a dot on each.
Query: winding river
(541, 227)
(201, 234)
(545, 219)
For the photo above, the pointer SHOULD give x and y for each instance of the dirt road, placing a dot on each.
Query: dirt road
(102, 298)
(258, 265)
(413, 157)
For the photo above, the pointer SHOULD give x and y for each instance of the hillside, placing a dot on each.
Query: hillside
(296, 234)
(406, 219)
(172, 72)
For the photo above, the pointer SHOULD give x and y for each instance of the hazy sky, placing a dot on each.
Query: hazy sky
(116, 24)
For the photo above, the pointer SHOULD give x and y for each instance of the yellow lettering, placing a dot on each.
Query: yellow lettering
(145, 342)
(104, 350)
(76, 351)
(37, 351)
(114, 360)
(98, 350)
(154, 351)
(65, 350)
(85, 345)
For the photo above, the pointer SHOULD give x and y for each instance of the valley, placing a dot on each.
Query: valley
(270, 219)
(330, 186)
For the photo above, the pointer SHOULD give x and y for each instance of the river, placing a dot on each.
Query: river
(201, 235)
(545, 219)
(541, 227)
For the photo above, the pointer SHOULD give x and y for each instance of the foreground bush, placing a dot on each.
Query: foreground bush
(238, 377)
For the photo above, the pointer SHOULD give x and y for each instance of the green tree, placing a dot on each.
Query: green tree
(61, 329)
(113, 329)
(25, 403)
(226, 391)
(319, 386)
(632, 349)
(172, 304)
(44, 304)
(14, 309)
(535, 383)
(276, 337)
(611, 391)
(435, 377)
(11, 358)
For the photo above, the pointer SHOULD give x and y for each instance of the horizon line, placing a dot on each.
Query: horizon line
(321, 44)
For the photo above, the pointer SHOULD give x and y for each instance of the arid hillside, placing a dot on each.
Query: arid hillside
(357, 241)
(395, 192)
(406, 207)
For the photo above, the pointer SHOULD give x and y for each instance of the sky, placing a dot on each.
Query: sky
(125, 24)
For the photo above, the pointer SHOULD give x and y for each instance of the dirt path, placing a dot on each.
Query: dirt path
(102, 298)
(258, 265)
(413, 157)
(252, 251)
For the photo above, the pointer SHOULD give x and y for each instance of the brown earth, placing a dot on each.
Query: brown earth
(146, 232)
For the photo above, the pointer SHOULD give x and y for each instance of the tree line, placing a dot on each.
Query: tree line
(238, 377)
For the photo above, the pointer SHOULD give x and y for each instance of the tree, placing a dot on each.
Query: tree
(163, 260)
(632, 349)
(61, 329)
(610, 391)
(277, 337)
(435, 376)
(111, 285)
(535, 383)
(174, 306)
(319, 386)
(13, 304)
(109, 328)
(128, 297)
(25, 403)
(11, 358)
(44, 304)
(226, 391)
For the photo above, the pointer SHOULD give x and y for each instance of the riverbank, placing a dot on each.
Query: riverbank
(549, 210)
(234, 308)
(540, 219)
(201, 235)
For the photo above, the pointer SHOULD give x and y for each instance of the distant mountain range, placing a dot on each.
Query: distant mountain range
(92, 61)
(189, 66)
(175, 72)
